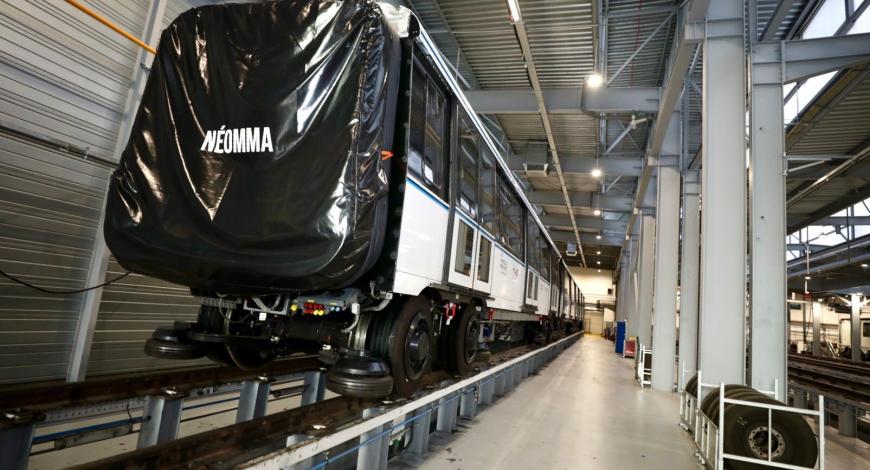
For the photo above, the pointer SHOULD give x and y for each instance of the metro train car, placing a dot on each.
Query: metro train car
(312, 171)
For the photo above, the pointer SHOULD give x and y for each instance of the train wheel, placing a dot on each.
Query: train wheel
(410, 349)
(462, 336)
(791, 441)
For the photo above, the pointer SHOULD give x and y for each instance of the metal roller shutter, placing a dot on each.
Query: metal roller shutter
(64, 80)
(131, 308)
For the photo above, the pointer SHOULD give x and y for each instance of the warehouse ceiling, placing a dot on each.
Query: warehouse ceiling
(632, 41)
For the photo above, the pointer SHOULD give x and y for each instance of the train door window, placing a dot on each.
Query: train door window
(428, 130)
(866, 328)
(533, 247)
(530, 285)
(469, 150)
(464, 249)
(488, 191)
(545, 263)
(510, 219)
(484, 260)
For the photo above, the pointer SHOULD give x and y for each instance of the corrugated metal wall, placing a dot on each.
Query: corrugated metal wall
(64, 80)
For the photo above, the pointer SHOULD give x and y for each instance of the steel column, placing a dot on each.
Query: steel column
(304, 464)
(666, 260)
(315, 387)
(689, 283)
(855, 337)
(800, 399)
(769, 325)
(370, 455)
(90, 307)
(468, 403)
(817, 329)
(16, 436)
(420, 432)
(486, 391)
(162, 415)
(847, 422)
(253, 399)
(447, 408)
(645, 279)
(723, 220)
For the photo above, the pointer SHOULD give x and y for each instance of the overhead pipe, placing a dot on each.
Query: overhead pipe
(102, 19)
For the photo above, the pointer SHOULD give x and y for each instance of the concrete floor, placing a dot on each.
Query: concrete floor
(583, 410)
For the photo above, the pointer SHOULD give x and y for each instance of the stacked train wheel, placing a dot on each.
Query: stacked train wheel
(790, 441)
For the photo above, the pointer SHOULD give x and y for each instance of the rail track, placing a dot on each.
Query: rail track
(47, 396)
(845, 381)
(234, 445)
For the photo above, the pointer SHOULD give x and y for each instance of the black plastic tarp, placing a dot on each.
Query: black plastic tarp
(255, 163)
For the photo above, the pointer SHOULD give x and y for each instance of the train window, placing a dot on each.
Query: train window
(510, 219)
(545, 264)
(484, 259)
(866, 332)
(533, 246)
(464, 249)
(428, 129)
(487, 191)
(469, 150)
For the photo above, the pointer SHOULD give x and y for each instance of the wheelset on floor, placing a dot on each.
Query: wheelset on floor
(787, 438)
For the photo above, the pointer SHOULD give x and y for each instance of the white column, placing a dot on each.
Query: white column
(689, 257)
(723, 219)
(769, 323)
(631, 312)
(817, 329)
(90, 306)
(856, 327)
(621, 297)
(667, 246)
(645, 279)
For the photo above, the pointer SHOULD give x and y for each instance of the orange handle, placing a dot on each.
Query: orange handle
(111, 25)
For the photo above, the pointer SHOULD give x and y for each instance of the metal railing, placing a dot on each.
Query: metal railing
(371, 435)
(644, 373)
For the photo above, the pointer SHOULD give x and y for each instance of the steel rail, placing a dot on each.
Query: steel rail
(52, 395)
(846, 381)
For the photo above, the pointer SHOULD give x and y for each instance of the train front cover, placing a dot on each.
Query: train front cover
(255, 161)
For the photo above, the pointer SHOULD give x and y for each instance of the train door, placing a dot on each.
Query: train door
(466, 234)
(488, 222)
(533, 256)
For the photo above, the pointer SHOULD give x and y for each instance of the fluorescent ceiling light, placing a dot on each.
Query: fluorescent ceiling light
(514, 8)
(595, 80)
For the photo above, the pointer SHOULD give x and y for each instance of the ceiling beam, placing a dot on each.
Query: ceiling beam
(612, 166)
(589, 223)
(779, 14)
(581, 199)
(805, 58)
(609, 100)
(843, 220)
(588, 238)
